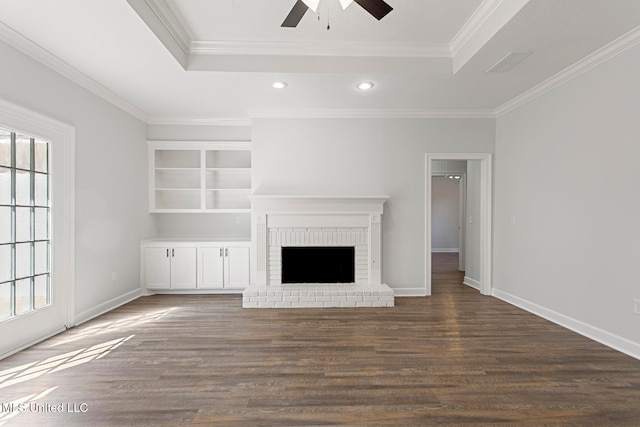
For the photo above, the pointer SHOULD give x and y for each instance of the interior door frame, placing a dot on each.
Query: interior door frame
(462, 229)
(486, 185)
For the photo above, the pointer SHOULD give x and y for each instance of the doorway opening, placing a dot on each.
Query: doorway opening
(448, 209)
(475, 224)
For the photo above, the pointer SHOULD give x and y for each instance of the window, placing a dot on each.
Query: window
(24, 224)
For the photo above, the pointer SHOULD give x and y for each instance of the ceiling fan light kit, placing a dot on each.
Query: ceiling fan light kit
(312, 4)
(376, 8)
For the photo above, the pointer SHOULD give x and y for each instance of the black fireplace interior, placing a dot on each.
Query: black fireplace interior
(318, 264)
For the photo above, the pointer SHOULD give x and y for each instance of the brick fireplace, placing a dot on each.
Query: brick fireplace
(316, 222)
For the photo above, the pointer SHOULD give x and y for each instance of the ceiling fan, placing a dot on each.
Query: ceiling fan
(377, 8)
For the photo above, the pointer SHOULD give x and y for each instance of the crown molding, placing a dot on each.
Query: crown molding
(165, 25)
(337, 113)
(26, 46)
(484, 23)
(179, 34)
(309, 48)
(198, 121)
(172, 22)
(590, 61)
(475, 21)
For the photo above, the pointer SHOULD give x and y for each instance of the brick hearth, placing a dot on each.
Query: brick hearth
(318, 296)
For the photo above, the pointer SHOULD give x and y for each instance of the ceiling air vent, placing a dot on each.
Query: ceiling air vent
(508, 62)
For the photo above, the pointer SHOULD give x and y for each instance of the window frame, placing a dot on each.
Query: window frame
(29, 204)
(37, 325)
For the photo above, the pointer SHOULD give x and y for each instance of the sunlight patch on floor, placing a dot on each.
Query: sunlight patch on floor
(57, 363)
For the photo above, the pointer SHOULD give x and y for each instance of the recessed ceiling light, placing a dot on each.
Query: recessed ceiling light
(365, 85)
(279, 85)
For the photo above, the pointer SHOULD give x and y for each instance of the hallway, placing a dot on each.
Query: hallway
(444, 270)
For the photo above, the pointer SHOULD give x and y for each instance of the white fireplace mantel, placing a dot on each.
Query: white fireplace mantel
(317, 204)
(316, 220)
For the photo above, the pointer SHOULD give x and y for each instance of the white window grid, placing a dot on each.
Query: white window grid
(25, 218)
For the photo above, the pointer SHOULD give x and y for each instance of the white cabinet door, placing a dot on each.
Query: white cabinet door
(236, 271)
(183, 268)
(157, 268)
(211, 261)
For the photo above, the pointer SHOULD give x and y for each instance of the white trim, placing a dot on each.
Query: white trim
(415, 291)
(337, 113)
(311, 48)
(590, 61)
(485, 209)
(31, 49)
(220, 291)
(199, 121)
(180, 33)
(471, 282)
(445, 250)
(29, 344)
(475, 21)
(107, 306)
(488, 19)
(159, 18)
(599, 335)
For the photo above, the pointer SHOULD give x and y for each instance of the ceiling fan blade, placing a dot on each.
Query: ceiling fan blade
(297, 12)
(378, 8)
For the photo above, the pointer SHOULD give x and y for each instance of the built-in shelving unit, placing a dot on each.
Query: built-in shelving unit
(187, 176)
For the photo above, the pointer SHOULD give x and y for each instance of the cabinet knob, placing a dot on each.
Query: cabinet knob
(220, 252)
(226, 252)
(167, 253)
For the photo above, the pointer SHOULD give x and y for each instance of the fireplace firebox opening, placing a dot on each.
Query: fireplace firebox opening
(318, 264)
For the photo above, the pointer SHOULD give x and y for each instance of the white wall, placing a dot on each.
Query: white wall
(110, 175)
(198, 132)
(567, 168)
(362, 156)
(445, 208)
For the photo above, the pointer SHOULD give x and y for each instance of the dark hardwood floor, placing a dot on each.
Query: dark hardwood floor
(456, 358)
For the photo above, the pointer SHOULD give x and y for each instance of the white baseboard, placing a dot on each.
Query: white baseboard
(106, 306)
(603, 337)
(445, 250)
(409, 292)
(471, 282)
(234, 291)
(30, 343)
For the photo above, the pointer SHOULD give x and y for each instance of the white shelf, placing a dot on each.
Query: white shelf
(229, 169)
(199, 176)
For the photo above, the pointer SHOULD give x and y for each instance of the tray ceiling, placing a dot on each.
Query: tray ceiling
(199, 60)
